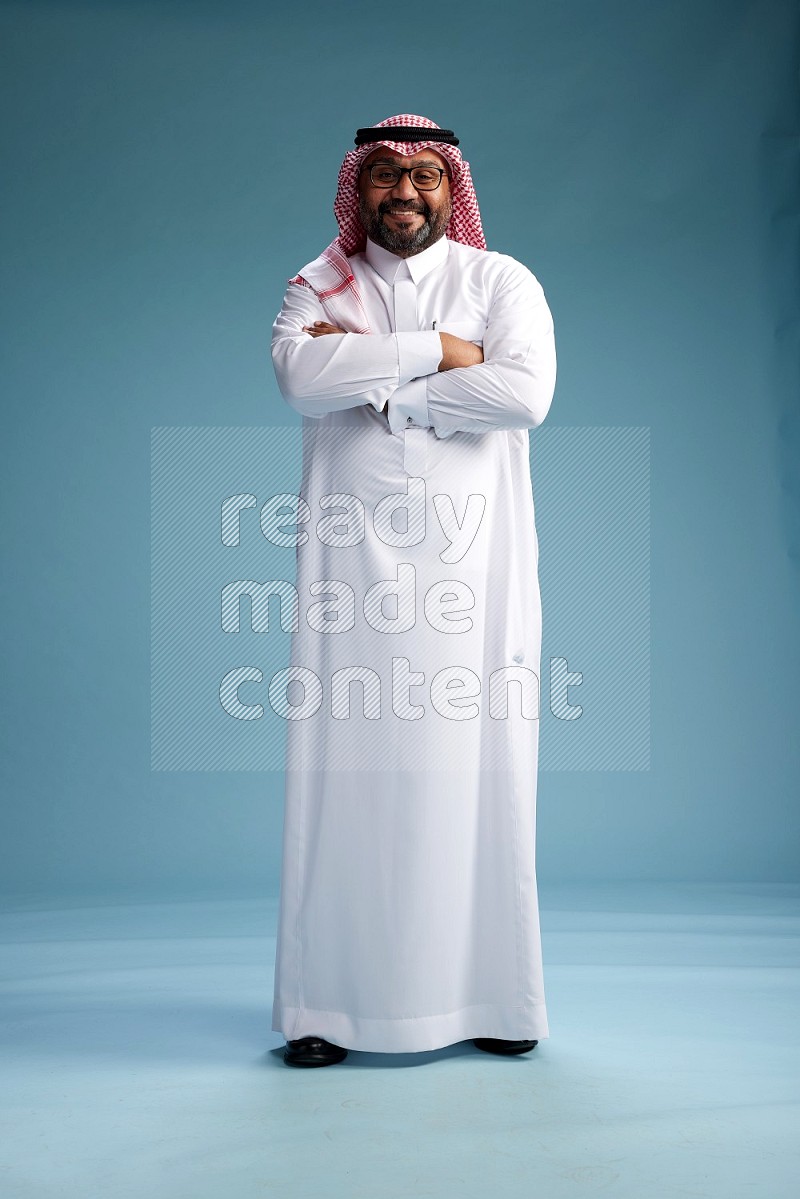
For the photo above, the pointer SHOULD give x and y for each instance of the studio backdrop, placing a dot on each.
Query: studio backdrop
(168, 167)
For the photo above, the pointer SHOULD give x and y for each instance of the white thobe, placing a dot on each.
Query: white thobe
(408, 916)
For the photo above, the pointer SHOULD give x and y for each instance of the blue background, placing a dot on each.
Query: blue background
(168, 166)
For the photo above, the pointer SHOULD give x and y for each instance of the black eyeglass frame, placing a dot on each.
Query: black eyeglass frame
(403, 171)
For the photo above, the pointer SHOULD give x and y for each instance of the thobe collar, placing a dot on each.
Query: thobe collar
(418, 266)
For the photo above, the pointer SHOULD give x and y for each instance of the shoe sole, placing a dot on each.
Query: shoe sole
(507, 1051)
(313, 1061)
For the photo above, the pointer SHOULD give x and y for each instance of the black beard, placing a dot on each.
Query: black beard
(403, 242)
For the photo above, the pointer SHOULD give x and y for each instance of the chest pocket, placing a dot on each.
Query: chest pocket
(467, 330)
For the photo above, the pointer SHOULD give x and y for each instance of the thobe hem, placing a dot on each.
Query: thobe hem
(416, 1033)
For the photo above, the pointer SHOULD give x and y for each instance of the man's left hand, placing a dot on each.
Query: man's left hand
(319, 328)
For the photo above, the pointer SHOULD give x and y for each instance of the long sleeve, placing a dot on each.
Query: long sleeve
(317, 375)
(513, 387)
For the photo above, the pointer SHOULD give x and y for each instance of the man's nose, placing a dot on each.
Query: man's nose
(404, 189)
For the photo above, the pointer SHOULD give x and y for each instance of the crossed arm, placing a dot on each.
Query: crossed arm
(455, 351)
(435, 379)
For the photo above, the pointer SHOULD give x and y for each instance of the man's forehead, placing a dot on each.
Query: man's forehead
(423, 158)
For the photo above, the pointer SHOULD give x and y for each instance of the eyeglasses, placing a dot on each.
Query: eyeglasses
(424, 179)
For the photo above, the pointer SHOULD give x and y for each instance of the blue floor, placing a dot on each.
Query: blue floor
(138, 1061)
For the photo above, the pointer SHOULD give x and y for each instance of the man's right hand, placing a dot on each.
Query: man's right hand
(457, 352)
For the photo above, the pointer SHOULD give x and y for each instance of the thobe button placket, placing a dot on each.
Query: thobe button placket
(406, 321)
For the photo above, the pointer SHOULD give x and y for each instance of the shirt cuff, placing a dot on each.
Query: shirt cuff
(408, 405)
(418, 353)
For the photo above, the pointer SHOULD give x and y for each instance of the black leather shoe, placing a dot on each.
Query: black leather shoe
(313, 1051)
(493, 1045)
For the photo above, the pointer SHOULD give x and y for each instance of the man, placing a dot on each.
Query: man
(419, 360)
